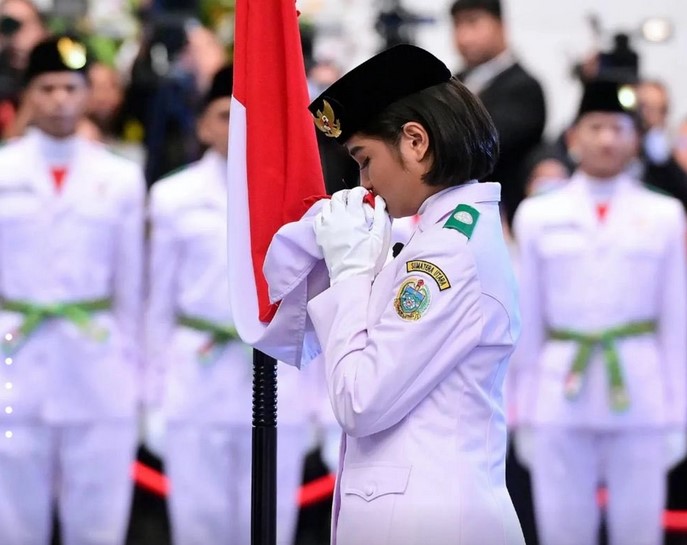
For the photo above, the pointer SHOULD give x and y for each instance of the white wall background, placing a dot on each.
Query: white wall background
(547, 35)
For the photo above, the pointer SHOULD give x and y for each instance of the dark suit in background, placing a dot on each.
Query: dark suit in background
(515, 101)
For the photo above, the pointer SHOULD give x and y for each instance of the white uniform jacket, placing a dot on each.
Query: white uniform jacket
(83, 244)
(415, 365)
(588, 276)
(188, 277)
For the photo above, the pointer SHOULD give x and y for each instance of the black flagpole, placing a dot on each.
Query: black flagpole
(264, 466)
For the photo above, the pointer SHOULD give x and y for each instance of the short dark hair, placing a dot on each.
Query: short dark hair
(490, 6)
(463, 141)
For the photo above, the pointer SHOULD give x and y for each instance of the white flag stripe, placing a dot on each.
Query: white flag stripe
(283, 337)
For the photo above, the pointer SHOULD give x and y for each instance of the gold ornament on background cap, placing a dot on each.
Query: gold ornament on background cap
(627, 97)
(73, 53)
(326, 121)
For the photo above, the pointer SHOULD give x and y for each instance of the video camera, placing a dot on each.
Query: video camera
(620, 63)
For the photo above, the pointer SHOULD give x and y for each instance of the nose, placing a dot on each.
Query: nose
(60, 96)
(607, 137)
(365, 181)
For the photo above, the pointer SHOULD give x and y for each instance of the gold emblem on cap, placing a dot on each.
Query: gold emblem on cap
(73, 53)
(627, 97)
(326, 121)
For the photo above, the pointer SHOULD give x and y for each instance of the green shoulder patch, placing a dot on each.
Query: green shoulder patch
(463, 219)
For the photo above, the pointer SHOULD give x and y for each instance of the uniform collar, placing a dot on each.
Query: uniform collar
(591, 187)
(55, 151)
(217, 163)
(213, 180)
(441, 204)
(581, 207)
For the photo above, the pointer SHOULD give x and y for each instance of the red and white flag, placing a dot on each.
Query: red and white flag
(273, 164)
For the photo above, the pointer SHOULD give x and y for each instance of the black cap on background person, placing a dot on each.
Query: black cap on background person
(491, 6)
(220, 87)
(609, 96)
(62, 53)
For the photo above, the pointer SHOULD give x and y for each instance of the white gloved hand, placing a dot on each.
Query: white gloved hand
(342, 196)
(350, 244)
(523, 441)
(676, 447)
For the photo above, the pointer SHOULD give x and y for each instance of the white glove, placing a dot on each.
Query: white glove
(342, 196)
(351, 246)
(523, 441)
(676, 447)
(154, 430)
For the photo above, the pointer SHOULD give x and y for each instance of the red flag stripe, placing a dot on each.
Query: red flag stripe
(282, 159)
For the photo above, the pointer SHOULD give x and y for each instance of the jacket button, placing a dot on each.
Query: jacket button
(370, 489)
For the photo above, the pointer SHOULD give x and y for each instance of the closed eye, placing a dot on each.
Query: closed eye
(365, 164)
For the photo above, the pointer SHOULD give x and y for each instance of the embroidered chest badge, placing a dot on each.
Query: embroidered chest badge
(412, 300)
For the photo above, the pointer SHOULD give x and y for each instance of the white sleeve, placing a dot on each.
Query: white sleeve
(523, 367)
(672, 324)
(160, 315)
(127, 288)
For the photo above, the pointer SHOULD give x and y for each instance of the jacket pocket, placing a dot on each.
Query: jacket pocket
(372, 481)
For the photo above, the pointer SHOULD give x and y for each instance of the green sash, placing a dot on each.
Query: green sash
(606, 340)
(220, 335)
(77, 312)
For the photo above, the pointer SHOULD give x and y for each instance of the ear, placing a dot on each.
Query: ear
(415, 140)
(571, 143)
(202, 130)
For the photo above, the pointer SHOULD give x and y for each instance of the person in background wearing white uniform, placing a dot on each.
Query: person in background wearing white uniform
(601, 368)
(71, 255)
(199, 373)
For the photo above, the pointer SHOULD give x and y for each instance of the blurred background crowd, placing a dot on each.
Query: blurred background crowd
(155, 60)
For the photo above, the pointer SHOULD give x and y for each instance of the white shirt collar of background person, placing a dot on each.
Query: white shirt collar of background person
(479, 77)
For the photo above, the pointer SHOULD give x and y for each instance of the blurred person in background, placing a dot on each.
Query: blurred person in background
(600, 369)
(515, 102)
(105, 99)
(21, 28)
(321, 75)
(105, 115)
(654, 163)
(546, 170)
(199, 373)
(71, 241)
(513, 98)
(658, 166)
(680, 148)
(173, 70)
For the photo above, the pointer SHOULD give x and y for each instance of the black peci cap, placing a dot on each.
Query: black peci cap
(57, 54)
(355, 99)
(491, 6)
(608, 96)
(221, 86)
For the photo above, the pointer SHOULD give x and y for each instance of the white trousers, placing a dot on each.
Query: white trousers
(568, 465)
(209, 467)
(85, 467)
